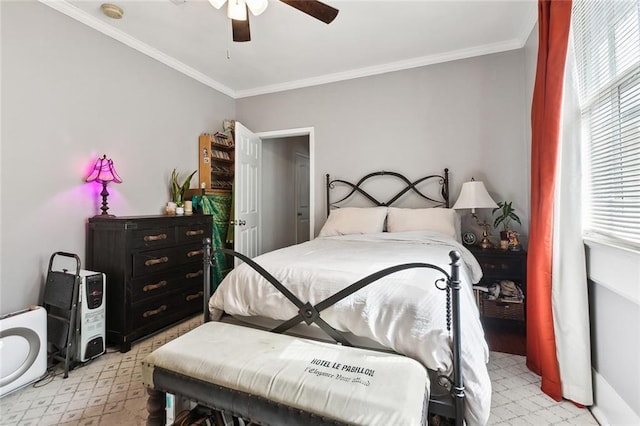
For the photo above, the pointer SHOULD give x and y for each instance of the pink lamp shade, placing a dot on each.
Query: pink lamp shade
(103, 172)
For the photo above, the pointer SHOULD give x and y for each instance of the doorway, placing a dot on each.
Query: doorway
(287, 188)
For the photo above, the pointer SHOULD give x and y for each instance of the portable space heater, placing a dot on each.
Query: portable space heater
(76, 314)
(90, 339)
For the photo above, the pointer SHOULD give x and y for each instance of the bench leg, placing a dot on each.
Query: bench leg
(156, 403)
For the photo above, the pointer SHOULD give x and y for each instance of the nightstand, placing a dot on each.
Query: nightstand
(497, 265)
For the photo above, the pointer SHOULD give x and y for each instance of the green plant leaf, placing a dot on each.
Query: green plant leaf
(506, 215)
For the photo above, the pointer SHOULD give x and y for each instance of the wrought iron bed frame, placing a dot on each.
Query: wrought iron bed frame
(450, 403)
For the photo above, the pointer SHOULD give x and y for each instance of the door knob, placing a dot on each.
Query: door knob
(242, 222)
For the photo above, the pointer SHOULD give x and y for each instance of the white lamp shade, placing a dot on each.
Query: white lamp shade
(474, 196)
(237, 9)
(257, 6)
(217, 3)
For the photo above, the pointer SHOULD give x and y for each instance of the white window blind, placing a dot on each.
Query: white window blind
(607, 47)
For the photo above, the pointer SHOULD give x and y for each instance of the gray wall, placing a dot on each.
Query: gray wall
(70, 94)
(278, 190)
(468, 115)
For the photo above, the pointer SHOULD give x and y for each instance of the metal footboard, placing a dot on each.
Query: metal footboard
(453, 404)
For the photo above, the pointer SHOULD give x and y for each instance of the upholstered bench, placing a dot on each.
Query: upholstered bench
(278, 379)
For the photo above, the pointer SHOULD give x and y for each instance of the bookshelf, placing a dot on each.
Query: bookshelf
(216, 162)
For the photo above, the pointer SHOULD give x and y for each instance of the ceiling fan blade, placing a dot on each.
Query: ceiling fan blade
(315, 8)
(241, 30)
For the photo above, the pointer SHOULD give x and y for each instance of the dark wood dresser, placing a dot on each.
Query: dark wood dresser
(154, 271)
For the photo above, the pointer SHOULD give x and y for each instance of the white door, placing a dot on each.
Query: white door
(302, 197)
(247, 192)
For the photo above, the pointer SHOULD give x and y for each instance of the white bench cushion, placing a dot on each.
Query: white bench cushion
(355, 386)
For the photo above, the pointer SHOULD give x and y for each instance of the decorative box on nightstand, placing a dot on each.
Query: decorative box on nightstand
(498, 265)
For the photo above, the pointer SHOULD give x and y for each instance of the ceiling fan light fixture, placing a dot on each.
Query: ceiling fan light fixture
(217, 3)
(237, 9)
(257, 6)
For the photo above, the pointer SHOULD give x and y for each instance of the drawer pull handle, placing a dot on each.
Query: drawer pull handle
(150, 287)
(194, 233)
(154, 312)
(194, 274)
(155, 237)
(191, 297)
(151, 262)
(195, 253)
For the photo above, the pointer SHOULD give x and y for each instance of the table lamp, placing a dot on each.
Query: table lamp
(474, 196)
(103, 172)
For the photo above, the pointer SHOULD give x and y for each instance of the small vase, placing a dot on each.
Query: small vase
(179, 211)
(171, 208)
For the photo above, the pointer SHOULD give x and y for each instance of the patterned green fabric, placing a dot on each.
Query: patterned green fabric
(218, 205)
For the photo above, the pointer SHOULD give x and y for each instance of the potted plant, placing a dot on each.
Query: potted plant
(179, 190)
(507, 214)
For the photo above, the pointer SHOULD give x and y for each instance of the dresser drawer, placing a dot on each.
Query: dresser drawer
(153, 237)
(192, 299)
(194, 233)
(161, 283)
(190, 253)
(160, 311)
(155, 313)
(150, 261)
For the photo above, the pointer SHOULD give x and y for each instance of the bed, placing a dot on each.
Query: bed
(373, 279)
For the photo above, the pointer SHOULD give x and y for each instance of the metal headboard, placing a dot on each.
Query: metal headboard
(443, 180)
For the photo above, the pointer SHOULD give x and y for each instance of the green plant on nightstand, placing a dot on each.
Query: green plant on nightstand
(179, 190)
(504, 218)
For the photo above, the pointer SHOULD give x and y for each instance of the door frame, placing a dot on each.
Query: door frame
(307, 160)
(302, 131)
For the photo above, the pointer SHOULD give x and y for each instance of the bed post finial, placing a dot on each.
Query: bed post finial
(206, 269)
(458, 384)
(445, 187)
(328, 198)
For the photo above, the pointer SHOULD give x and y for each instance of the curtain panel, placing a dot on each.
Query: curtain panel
(554, 19)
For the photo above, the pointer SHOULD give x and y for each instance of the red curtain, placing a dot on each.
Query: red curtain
(554, 19)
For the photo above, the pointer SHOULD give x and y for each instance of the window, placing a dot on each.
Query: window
(607, 47)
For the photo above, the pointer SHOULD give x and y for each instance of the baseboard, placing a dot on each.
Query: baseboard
(609, 407)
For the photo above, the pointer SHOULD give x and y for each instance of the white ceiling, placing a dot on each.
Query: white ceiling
(289, 49)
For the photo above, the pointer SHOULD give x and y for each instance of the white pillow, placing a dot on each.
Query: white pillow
(444, 221)
(354, 220)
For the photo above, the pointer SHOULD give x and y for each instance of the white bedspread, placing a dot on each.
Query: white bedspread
(403, 311)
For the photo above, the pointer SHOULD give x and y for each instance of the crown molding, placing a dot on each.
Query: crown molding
(98, 25)
(81, 16)
(385, 68)
(529, 24)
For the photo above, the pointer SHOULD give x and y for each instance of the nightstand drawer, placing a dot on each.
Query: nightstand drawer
(501, 267)
(502, 310)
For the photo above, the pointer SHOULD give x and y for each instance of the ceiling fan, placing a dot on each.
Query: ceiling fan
(237, 11)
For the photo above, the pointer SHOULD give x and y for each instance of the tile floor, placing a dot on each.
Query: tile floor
(108, 391)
